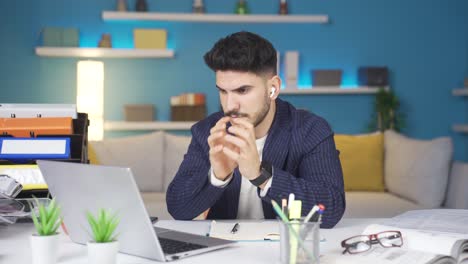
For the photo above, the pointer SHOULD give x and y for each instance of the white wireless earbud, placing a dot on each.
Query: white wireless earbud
(272, 92)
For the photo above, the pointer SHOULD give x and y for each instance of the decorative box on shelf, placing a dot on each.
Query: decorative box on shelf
(145, 38)
(188, 107)
(139, 112)
(60, 37)
(188, 112)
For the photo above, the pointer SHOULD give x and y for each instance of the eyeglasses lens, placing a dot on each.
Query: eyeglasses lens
(358, 244)
(390, 239)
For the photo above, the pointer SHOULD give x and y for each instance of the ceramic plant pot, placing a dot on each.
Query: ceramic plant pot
(44, 249)
(103, 253)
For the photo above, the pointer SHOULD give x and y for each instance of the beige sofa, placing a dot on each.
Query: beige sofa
(434, 182)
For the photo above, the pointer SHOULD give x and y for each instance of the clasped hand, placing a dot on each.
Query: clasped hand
(234, 149)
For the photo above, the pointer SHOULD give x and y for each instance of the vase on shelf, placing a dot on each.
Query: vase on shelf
(122, 5)
(242, 8)
(105, 41)
(141, 6)
(283, 10)
(198, 7)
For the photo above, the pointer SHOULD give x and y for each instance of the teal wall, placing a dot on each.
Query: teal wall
(424, 43)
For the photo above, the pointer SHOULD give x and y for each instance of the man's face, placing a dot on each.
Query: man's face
(244, 94)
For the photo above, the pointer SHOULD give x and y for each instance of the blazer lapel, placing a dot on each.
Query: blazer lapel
(276, 148)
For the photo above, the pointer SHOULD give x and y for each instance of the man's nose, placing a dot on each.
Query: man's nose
(232, 102)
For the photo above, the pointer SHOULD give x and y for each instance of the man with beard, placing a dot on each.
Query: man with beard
(260, 148)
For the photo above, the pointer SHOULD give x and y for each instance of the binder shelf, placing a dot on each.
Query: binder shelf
(78, 142)
(78, 151)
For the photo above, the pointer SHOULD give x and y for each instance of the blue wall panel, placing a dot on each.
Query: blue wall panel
(424, 44)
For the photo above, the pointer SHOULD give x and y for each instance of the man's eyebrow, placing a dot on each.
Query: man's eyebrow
(236, 89)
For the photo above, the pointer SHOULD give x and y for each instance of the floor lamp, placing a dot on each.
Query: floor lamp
(90, 96)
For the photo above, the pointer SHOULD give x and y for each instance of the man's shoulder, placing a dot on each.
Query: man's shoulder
(309, 119)
(307, 129)
(303, 119)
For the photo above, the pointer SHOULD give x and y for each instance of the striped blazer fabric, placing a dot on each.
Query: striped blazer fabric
(301, 149)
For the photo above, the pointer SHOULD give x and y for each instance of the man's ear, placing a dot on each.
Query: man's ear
(272, 91)
(275, 82)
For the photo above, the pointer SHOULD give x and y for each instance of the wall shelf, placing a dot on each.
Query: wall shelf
(219, 18)
(103, 52)
(460, 92)
(462, 128)
(331, 90)
(133, 126)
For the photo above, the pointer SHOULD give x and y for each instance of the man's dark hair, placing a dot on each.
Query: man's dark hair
(242, 51)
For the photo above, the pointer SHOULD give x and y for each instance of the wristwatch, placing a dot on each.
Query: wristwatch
(266, 171)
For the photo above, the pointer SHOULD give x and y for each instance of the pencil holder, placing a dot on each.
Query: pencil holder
(299, 242)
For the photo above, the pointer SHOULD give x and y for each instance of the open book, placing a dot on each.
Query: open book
(429, 236)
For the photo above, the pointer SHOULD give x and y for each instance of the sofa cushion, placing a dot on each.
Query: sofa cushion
(417, 169)
(175, 149)
(155, 203)
(142, 153)
(376, 204)
(457, 196)
(361, 158)
(92, 156)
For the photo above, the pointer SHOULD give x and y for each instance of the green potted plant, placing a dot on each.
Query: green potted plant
(44, 243)
(387, 113)
(104, 246)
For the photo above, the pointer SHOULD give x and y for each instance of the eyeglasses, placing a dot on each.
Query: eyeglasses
(362, 243)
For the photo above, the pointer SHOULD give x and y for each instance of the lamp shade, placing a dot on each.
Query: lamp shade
(90, 95)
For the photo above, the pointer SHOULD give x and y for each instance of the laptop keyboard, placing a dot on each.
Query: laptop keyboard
(171, 246)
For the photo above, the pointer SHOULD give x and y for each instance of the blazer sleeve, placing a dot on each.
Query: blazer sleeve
(190, 192)
(317, 180)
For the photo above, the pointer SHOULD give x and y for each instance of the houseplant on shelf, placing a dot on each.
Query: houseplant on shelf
(387, 113)
(104, 247)
(44, 244)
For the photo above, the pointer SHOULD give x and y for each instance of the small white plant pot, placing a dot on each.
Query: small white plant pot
(44, 249)
(103, 253)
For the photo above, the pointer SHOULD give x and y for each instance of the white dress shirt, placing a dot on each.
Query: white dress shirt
(250, 205)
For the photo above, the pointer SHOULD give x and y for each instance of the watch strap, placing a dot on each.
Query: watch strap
(266, 172)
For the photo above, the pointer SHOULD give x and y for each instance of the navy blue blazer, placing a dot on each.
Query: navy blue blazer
(301, 148)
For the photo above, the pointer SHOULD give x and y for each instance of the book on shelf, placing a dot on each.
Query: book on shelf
(188, 99)
(429, 236)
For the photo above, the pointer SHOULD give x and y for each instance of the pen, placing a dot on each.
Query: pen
(284, 206)
(318, 213)
(322, 209)
(311, 213)
(278, 211)
(235, 228)
(290, 200)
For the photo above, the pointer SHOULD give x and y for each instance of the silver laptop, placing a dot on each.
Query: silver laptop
(79, 188)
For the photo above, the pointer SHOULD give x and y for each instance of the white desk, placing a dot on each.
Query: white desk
(15, 247)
